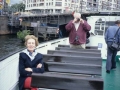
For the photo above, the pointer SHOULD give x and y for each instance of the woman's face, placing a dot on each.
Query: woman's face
(31, 45)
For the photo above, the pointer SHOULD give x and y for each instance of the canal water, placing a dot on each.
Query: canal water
(9, 44)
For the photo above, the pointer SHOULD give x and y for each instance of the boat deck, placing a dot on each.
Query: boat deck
(112, 80)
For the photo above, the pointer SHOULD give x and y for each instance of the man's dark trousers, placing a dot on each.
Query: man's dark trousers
(111, 54)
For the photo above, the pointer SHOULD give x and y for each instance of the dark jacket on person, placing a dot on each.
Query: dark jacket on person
(81, 32)
(25, 62)
(110, 32)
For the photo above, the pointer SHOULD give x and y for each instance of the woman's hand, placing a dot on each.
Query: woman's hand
(39, 65)
(28, 69)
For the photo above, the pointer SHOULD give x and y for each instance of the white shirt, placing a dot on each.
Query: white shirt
(32, 56)
(76, 25)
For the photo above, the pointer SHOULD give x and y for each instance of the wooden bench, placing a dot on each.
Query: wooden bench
(66, 81)
(70, 69)
(87, 47)
(74, 53)
(80, 50)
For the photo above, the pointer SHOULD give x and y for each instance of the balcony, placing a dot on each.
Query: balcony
(83, 2)
(95, 1)
(89, 0)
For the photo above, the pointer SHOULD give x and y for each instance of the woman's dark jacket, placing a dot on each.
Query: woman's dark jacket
(25, 62)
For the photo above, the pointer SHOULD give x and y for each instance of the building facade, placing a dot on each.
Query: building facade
(65, 6)
(110, 4)
(3, 7)
(51, 6)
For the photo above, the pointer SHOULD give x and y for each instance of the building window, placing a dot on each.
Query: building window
(52, 3)
(41, 4)
(65, 4)
(34, 0)
(58, 0)
(34, 4)
(115, 1)
(57, 10)
(58, 4)
(108, 8)
(110, 0)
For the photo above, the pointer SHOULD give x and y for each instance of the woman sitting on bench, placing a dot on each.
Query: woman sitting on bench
(30, 62)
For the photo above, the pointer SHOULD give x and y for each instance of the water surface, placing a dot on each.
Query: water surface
(9, 44)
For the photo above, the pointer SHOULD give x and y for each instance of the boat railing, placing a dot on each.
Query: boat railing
(9, 66)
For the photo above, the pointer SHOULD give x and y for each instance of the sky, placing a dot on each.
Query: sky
(14, 1)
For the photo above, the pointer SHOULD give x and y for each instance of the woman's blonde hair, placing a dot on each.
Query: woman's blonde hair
(31, 37)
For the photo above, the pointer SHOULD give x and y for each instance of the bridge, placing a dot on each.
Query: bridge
(28, 21)
(60, 18)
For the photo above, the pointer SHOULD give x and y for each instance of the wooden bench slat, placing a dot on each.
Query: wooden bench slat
(62, 81)
(87, 47)
(73, 68)
(80, 57)
(72, 59)
(58, 52)
(80, 50)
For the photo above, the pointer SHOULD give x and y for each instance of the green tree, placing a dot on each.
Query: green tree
(17, 7)
(21, 7)
(21, 34)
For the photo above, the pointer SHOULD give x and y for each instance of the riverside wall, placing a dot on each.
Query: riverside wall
(4, 25)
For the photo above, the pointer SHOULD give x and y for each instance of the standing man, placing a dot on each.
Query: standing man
(77, 29)
(111, 54)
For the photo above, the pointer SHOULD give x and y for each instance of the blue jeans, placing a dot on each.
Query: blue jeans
(60, 34)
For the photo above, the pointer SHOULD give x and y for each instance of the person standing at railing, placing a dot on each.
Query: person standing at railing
(58, 31)
(77, 29)
(30, 61)
(111, 54)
